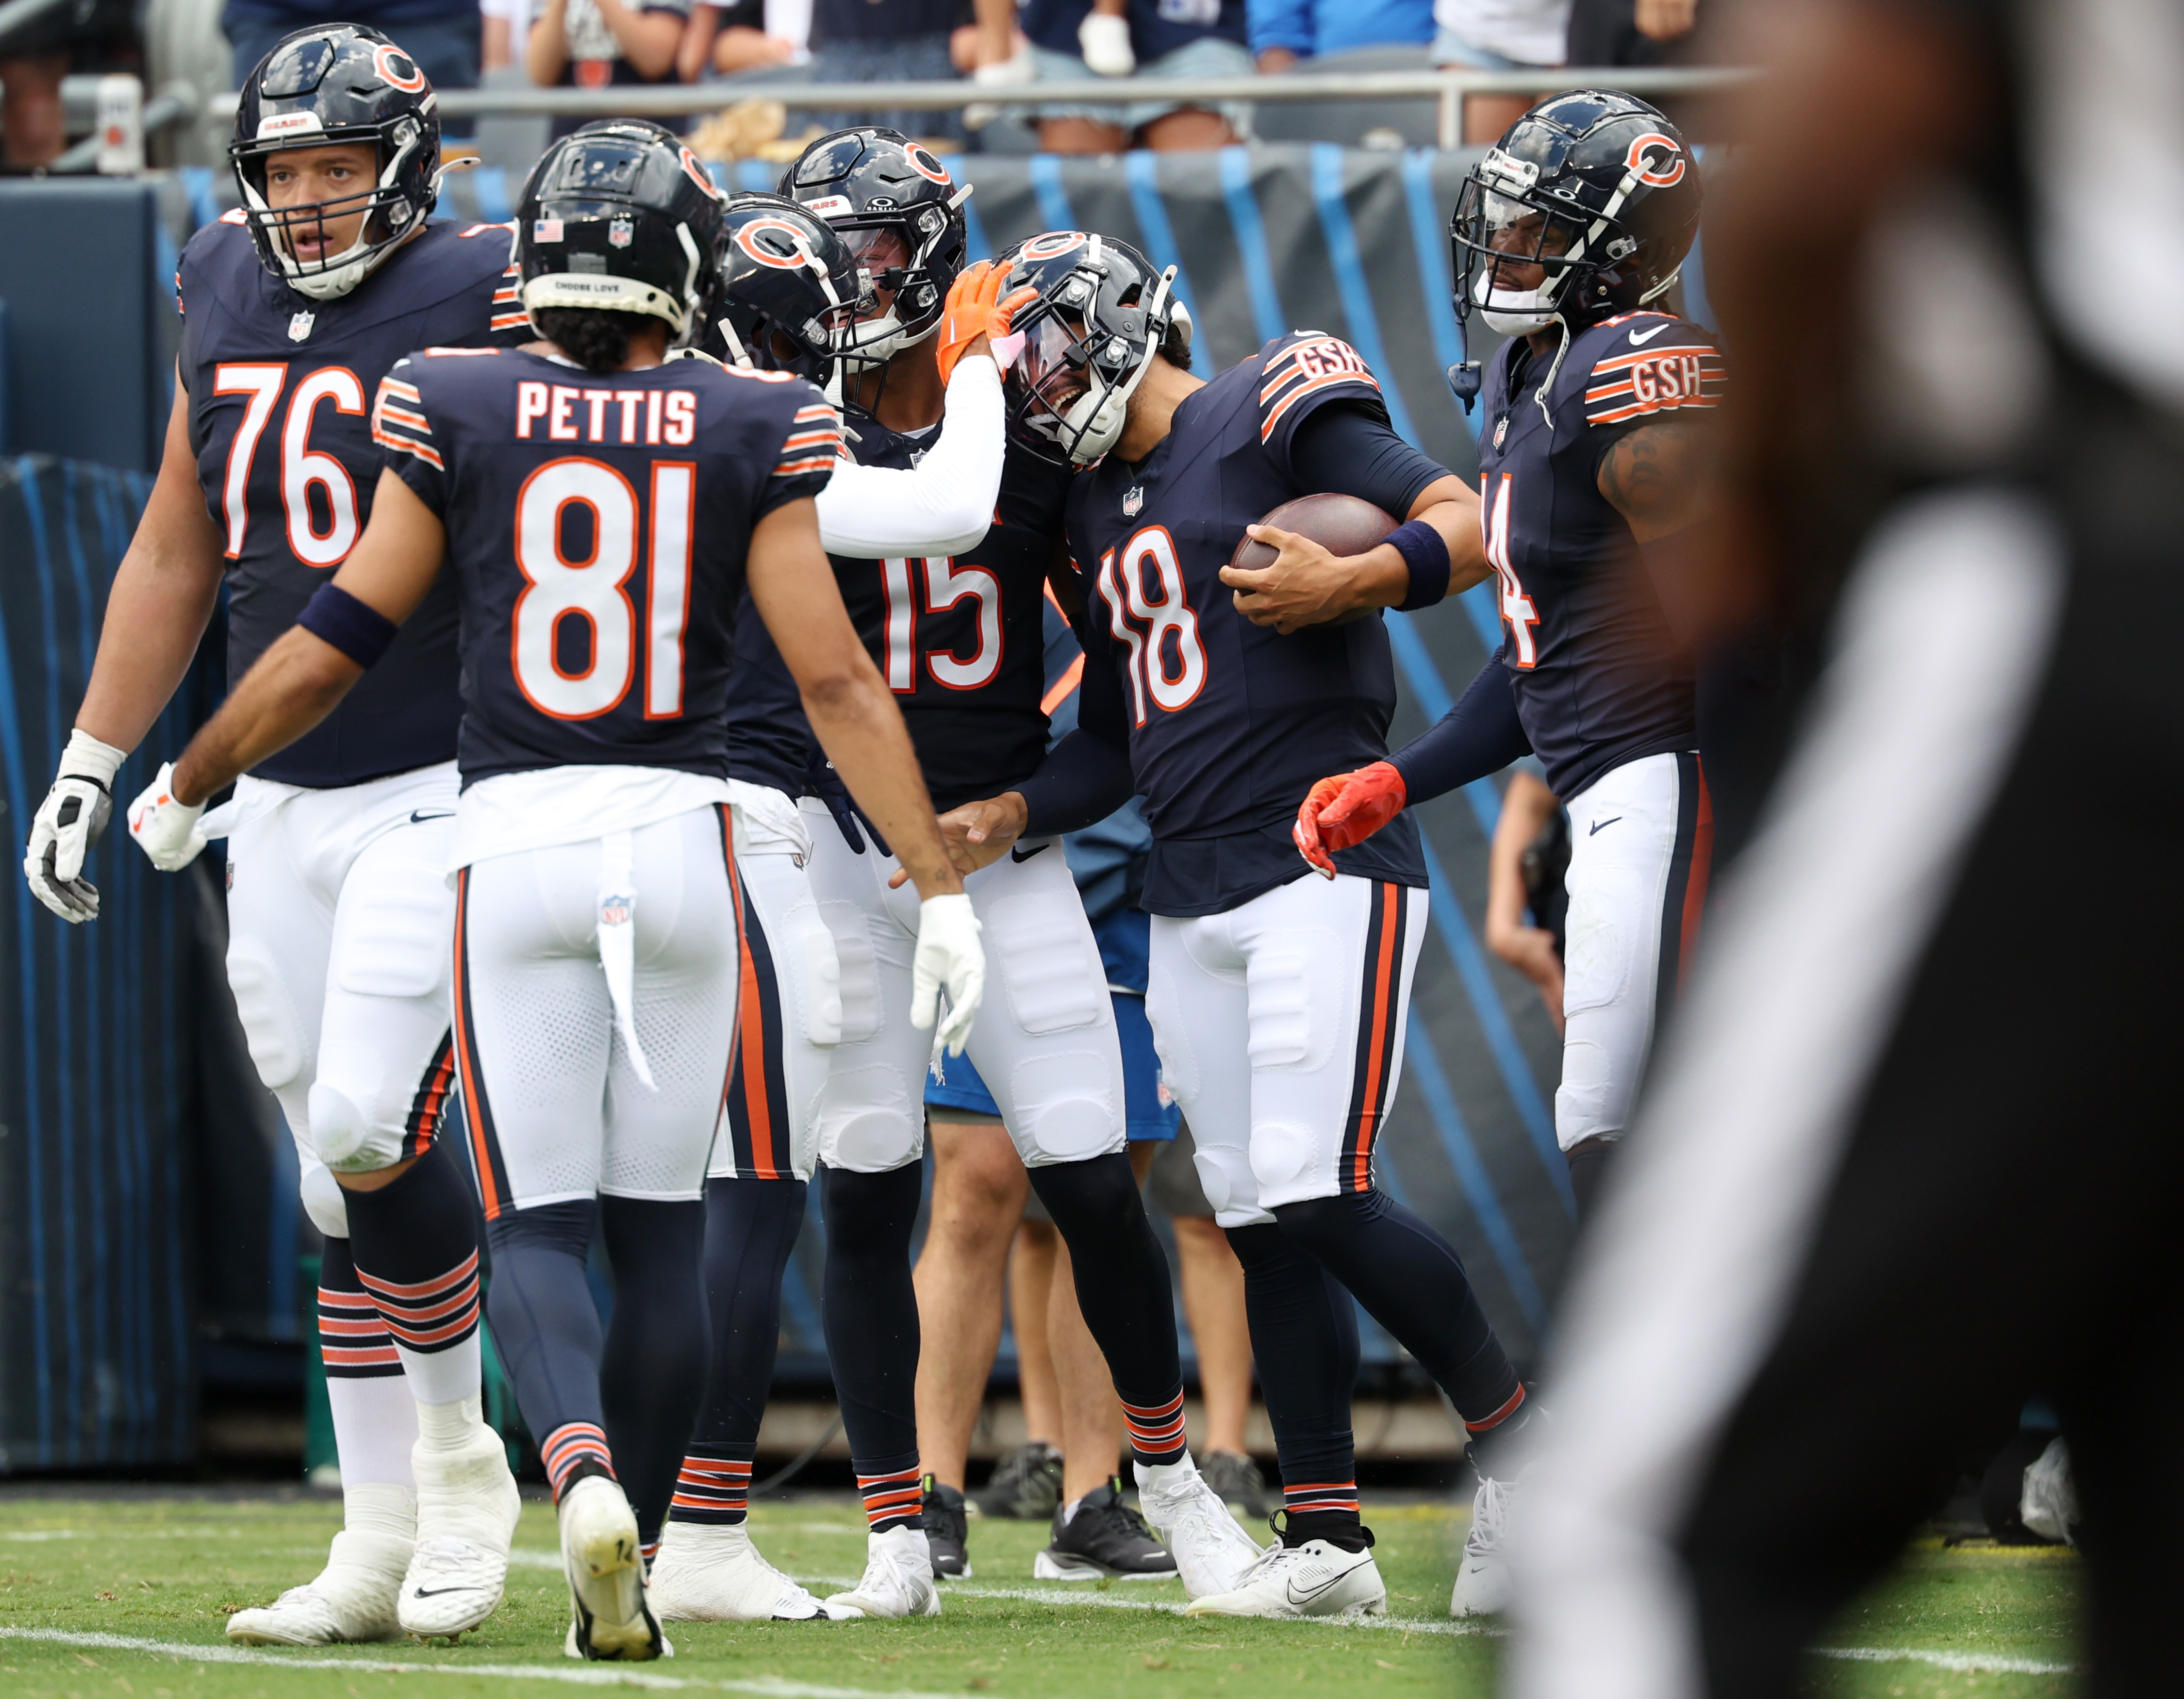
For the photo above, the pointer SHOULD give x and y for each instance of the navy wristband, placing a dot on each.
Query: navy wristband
(1425, 552)
(357, 629)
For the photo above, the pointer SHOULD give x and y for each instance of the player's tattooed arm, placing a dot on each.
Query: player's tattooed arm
(1661, 477)
(301, 678)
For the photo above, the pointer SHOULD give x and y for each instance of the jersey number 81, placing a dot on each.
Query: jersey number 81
(556, 587)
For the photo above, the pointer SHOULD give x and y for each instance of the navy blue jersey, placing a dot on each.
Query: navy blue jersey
(1597, 678)
(279, 388)
(597, 526)
(958, 637)
(770, 741)
(1228, 724)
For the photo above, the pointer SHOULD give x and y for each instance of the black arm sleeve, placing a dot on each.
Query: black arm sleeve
(1480, 735)
(1086, 777)
(1349, 449)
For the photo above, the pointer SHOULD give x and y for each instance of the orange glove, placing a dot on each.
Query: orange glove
(1342, 811)
(965, 319)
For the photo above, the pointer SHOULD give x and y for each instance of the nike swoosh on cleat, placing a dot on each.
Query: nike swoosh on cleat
(418, 817)
(1640, 338)
(1018, 853)
(1597, 824)
(435, 1592)
(1311, 1593)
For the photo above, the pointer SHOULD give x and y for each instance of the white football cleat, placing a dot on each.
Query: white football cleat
(1313, 1579)
(1212, 1552)
(467, 1507)
(898, 1580)
(351, 1601)
(1482, 1577)
(605, 1567)
(708, 1573)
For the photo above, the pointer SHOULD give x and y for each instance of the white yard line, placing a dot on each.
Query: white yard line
(582, 1674)
(1961, 1663)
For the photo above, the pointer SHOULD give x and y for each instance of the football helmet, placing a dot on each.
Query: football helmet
(620, 217)
(327, 84)
(901, 216)
(790, 293)
(1584, 208)
(1103, 311)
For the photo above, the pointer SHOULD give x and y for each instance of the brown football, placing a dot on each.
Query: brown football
(1342, 525)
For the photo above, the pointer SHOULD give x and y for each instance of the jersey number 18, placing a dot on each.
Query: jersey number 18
(1153, 627)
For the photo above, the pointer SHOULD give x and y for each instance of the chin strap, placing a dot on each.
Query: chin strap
(1554, 368)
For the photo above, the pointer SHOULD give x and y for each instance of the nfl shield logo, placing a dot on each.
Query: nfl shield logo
(1132, 500)
(1500, 430)
(299, 326)
(620, 233)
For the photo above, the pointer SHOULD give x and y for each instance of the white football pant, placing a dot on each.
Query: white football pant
(1279, 1026)
(1641, 838)
(338, 915)
(1045, 1041)
(558, 1108)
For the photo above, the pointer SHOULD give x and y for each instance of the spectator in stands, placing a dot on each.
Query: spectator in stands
(445, 38)
(1284, 31)
(605, 43)
(1498, 35)
(750, 35)
(899, 41)
(88, 35)
(1628, 32)
(506, 27)
(1073, 39)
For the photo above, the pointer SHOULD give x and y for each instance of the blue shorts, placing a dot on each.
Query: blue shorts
(1152, 1113)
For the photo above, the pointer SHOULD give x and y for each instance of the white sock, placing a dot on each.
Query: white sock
(450, 1426)
(374, 1507)
(442, 1377)
(1167, 1474)
(374, 1425)
(1069, 1512)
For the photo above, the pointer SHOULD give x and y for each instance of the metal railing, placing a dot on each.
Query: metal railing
(1447, 87)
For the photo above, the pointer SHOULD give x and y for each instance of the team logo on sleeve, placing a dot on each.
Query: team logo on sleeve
(1657, 159)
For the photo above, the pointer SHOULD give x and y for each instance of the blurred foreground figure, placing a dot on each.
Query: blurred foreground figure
(1955, 291)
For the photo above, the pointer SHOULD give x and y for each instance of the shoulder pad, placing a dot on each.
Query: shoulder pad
(1306, 363)
(1643, 362)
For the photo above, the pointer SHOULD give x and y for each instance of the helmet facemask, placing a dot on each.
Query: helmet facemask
(1075, 382)
(389, 217)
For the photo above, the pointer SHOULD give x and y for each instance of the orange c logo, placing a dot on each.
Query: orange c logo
(1052, 244)
(927, 166)
(385, 59)
(1659, 177)
(747, 240)
(698, 174)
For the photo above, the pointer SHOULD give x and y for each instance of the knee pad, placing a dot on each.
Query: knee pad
(868, 1122)
(1048, 963)
(1292, 1002)
(1582, 1101)
(1225, 1176)
(1282, 1155)
(856, 971)
(270, 1026)
(1063, 1109)
(323, 1201)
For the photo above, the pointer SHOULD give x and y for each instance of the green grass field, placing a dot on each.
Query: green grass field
(127, 1596)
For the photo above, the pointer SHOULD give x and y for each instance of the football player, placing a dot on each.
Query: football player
(958, 640)
(1276, 1000)
(602, 509)
(1593, 459)
(294, 306)
(788, 292)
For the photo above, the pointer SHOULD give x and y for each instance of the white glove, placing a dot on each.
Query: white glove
(68, 823)
(166, 830)
(949, 957)
(1106, 43)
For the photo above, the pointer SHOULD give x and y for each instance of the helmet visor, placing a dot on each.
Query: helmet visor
(1052, 375)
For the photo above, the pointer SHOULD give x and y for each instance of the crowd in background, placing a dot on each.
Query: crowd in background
(997, 43)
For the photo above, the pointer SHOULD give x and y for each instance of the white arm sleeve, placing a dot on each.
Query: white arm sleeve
(941, 506)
